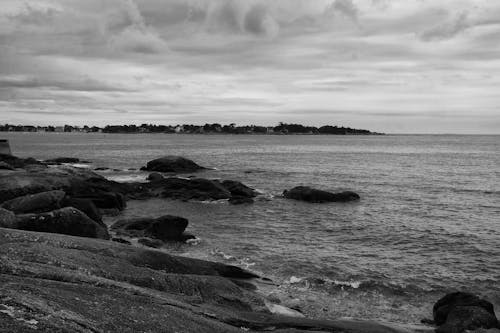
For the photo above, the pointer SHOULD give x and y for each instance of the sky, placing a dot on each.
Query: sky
(394, 66)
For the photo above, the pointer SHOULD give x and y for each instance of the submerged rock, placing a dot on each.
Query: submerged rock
(68, 221)
(154, 243)
(306, 193)
(237, 200)
(459, 311)
(63, 160)
(172, 164)
(36, 203)
(165, 228)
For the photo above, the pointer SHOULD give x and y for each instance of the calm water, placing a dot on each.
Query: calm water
(427, 223)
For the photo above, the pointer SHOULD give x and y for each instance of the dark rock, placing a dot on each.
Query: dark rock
(240, 200)
(5, 166)
(36, 203)
(186, 236)
(7, 218)
(239, 189)
(443, 307)
(63, 160)
(172, 164)
(101, 169)
(68, 221)
(121, 240)
(166, 228)
(17, 162)
(462, 318)
(305, 193)
(197, 188)
(155, 176)
(155, 243)
(85, 205)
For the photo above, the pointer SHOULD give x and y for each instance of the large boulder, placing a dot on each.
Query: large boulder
(7, 218)
(459, 311)
(35, 203)
(68, 221)
(155, 176)
(195, 188)
(165, 228)
(306, 193)
(239, 189)
(85, 205)
(17, 162)
(171, 163)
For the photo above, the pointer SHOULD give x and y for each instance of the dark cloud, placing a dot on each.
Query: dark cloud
(83, 84)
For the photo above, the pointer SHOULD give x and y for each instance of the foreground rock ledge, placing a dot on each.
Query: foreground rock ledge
(58, 283)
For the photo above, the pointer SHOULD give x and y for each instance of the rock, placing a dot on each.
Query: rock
(462, 318)
(239, 189)
(172, 164)
(443, 306)
(17, 162)
(63, 160)
(68, 221)
(187, 236)
(305, 193)
(154, 243)
(85, 205)
(197, 188)
(165, 228)
(155, 176)
(459, 311)
(121, 240)
(5, 166)
(101, 169)
(240, 200)
(7, 218)
(36, 203)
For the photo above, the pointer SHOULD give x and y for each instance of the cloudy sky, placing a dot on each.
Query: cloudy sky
(419, 66)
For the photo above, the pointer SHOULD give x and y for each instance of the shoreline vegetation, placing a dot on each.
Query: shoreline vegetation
(215, 128)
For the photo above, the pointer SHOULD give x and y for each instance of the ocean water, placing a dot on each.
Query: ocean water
(427, 222)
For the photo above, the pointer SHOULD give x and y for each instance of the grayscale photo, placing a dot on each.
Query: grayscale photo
(199, 166)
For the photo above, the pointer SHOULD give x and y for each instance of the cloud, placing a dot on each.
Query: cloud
(449, 29)
(138, 39)
(258, 21)
(344, 7)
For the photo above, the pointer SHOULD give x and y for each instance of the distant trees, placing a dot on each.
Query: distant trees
(281, 128)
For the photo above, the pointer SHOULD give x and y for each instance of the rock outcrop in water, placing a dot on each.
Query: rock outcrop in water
(459, 311)
(165, 228)
(60, 160)
(176, 164)
(306, 193)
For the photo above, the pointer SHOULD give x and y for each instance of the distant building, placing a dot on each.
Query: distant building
(59, 129)
(179, 129)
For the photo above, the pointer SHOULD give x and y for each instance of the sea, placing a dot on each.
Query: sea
(428, 221)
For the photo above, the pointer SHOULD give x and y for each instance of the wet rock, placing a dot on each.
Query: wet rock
(5, 166)
(155, 176)
(7, 218)
(63, 160)
(306, 193)
(68, 221)
(172, 164)
(197, 188)
(459, 311)
(165, 228)
(239, 189)
(35, 203)
(101, 169)
(121, 240)
(154, 243)
(237, 200)
(187, 236)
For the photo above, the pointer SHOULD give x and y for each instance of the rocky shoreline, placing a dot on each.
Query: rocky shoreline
(62, 273)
